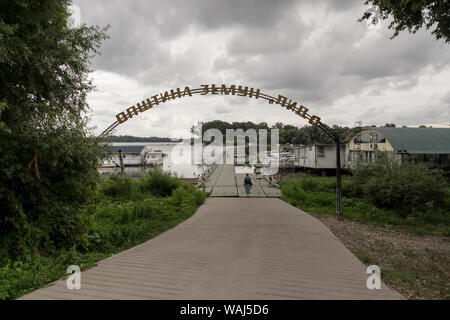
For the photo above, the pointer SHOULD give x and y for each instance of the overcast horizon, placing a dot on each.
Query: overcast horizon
(314, 52)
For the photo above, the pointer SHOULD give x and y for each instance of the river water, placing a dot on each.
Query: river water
(187, 169)
(182, 169)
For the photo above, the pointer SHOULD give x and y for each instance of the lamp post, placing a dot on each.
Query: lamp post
(335, 136)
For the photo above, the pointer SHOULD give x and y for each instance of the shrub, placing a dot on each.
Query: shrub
(309, 184)
(405, 188)
(348, 189)
(118, 187)
(292, 192)
(159, 183)
(188, 194)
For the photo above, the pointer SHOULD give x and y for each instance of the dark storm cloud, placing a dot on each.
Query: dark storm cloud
(267, 29)
(249, 13)
(342, 5)
(140, 29)
(314, 51)
(405, 56)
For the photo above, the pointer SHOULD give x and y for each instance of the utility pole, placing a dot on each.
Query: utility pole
(335, 137)
(121, 163)
(339, 214)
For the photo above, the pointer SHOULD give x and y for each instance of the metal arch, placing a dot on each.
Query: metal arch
(329, 131)
(269, 98)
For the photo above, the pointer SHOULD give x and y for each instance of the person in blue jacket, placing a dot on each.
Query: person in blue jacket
(247, 184)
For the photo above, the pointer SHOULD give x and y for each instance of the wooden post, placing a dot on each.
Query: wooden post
(121, 163)
(339, 214)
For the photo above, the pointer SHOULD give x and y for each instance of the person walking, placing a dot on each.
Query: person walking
(247, 184)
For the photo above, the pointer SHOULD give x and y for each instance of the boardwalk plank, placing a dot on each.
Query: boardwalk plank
(232, 248)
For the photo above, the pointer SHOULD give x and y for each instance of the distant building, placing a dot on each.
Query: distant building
(318, 156)
(431, 145)
(132, 156)
(153, 156)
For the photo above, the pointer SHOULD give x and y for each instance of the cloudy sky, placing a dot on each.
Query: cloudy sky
(313, 51)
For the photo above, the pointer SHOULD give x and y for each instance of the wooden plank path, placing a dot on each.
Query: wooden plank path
(232, 248)
(224, 182)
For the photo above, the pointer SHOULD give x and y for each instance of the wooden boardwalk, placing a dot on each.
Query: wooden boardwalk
(232, 248)
(224, 182)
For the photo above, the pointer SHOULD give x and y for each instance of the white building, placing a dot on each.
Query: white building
(318, 156)
(153, 156)
(132, 156)
(427, 145)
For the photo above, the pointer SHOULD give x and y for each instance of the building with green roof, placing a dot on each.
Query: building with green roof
(430, 145)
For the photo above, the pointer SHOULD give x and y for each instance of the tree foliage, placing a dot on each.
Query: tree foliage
(413, 15)
(289, 134)
(47, 152)
(403, 187)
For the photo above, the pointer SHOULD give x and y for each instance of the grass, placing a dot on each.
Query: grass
(413, 258)
(417, 273)
(316, 195)
(364, 256)
(123, 213)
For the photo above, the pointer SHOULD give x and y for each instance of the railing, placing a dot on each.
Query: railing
(200, 181)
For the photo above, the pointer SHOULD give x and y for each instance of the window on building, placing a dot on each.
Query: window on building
(321, 151)
(373, 138)
(368, 137)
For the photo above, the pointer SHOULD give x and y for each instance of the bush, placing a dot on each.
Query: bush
(309, 184)
(187, 194)
(405, 188)
(118, 187)
(316, 195)
(159, 183)
(107, 225)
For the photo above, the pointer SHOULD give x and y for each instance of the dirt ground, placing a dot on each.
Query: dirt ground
(418, 267)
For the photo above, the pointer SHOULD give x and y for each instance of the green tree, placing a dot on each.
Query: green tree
(47, 150)
(278, 125)
(412, 15)
(404, 187)
(288, 133)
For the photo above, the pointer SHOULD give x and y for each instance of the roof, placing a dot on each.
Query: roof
(320, 145)
(417, 140)
(126, 149)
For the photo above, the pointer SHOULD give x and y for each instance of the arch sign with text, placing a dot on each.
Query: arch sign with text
(240, 91)
(212, 89)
